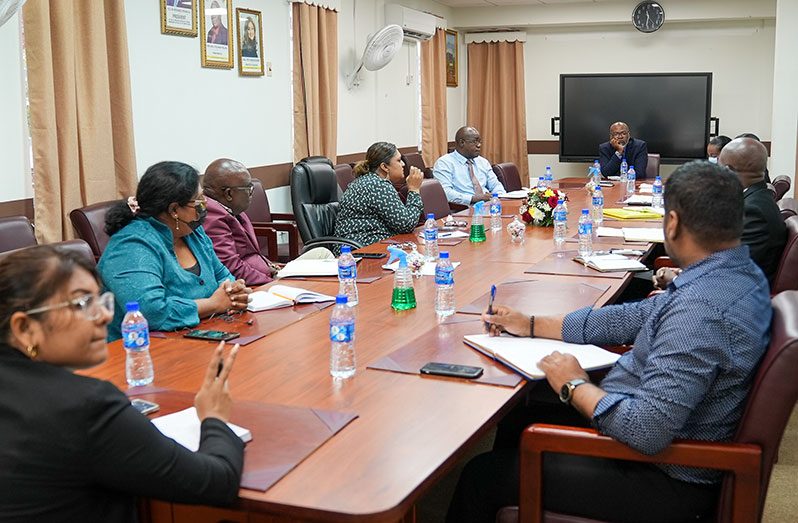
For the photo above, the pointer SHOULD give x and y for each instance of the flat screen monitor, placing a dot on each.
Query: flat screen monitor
(670, 111)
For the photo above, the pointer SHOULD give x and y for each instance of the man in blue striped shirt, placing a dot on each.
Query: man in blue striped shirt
(467, 177)
(696, 350)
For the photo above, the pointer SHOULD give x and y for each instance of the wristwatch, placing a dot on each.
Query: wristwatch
(567, 390)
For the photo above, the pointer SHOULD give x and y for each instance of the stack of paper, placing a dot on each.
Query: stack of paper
(632, 213)
(278, 296)
(638, 199)
(428, 269)
(646, 188)
(611, 263)
(519, 194)
(523, 354)
(643, 234)
(310, 268)
(184, 427)
(449, 234)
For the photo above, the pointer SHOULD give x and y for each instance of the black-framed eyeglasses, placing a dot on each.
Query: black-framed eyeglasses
(199, 204)
(92, 307)
(250, 188)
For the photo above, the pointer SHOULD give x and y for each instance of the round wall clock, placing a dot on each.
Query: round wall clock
(648, 16)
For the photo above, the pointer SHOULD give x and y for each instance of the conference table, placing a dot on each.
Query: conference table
(410, 430)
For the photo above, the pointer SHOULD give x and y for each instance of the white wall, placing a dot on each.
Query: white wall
(785, 102)
(15, 180)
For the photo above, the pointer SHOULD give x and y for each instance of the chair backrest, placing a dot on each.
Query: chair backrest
(79, 247)
(314, 197)
(16, 232)
(788, 207)
(787, 274)
(773, 394)
(89, 225)
(344, 175)
(413, 160)
(652, 169)
(782, 184)
(259, 210)
(508, 175)
(434, 199)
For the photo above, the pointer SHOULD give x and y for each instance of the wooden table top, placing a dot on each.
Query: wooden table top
(410, 429)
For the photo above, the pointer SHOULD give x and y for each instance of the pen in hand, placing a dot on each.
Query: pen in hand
(490, 304)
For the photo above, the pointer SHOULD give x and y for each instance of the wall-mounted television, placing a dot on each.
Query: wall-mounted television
(670, 111)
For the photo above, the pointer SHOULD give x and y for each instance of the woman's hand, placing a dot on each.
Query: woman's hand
(414, 179)
(506, 319)
(239, 295)
(213, 399)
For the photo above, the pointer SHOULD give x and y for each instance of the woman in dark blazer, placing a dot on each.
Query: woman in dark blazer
(72, 448)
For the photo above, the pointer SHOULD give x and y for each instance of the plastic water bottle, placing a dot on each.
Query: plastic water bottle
(347, 275)
(342, 339)
(444, 286)
(541, 183)
(656, 194)
(624, 171)
(548, 178)
(560, 217)
(495, 213)
(136, 340)
(598, 207)
(630, 181)
(431, 238)
(596, 172)
(585, 234)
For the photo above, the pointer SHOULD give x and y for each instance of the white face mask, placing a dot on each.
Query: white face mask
(713, 159)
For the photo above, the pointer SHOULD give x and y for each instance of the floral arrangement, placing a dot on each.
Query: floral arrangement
(539, 205)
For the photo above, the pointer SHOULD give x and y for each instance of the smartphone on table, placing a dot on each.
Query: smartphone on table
(211, 335)
(451, 370)
(144, 406)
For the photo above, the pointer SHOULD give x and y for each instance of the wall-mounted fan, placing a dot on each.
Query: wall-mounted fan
(8, 8)
(380, 50)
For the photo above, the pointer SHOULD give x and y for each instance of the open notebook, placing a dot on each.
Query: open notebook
(278, 296)
(611, 263)
(184, 427)
(523, 354)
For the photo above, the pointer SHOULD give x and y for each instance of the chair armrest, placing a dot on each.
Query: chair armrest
(743, 460)
(270, 236)
(323, 241)
(663, 261)
(283, 216)
(293, 236)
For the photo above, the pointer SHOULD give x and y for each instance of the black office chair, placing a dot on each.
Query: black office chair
(314, 197)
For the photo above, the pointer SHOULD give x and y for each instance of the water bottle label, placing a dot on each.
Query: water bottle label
(586, 228)
(342, 333)
(560, 216)
(136, 339)
(495, 208)
(598, 201)
(431, 235)
(347, 272)
(444, 275)
(657, 189)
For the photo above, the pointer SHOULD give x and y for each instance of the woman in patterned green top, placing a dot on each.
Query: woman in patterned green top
(370, 209)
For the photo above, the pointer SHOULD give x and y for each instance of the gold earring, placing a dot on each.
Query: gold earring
(32, 351)
(177, 223)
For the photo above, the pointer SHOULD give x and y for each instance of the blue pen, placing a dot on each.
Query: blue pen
(490, 303)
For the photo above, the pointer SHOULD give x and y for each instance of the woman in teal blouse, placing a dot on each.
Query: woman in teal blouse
(160, 256)
(370, 208)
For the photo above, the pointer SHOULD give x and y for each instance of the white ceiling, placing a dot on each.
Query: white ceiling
(487, 3)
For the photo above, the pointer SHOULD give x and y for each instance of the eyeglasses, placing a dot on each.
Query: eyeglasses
(200, 205)
(92, 307)
(250, 188)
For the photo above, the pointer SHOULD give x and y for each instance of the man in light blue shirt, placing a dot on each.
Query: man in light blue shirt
(466, 176)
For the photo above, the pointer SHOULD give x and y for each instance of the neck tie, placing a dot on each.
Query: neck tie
(478, 191)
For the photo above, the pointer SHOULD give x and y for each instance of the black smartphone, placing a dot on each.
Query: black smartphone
(201, 334)
(369, 254)
(144, 406)
(450, 369)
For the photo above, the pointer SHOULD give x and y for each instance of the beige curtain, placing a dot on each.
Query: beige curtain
(315, 81)
(496, 101)
(81, 120)
(433, 98)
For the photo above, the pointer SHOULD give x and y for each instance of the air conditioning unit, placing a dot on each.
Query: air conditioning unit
(415, 24)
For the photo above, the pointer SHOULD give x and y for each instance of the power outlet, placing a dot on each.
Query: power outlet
(268, 68)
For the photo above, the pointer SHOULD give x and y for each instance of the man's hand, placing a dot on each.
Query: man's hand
(664, 276)
(617, 144)
(484, 197)
(561, 368)
(506, 319)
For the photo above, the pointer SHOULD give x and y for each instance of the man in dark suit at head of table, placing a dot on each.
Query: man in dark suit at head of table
(620, 146)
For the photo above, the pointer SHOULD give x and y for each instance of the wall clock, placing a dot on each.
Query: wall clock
(648, 16)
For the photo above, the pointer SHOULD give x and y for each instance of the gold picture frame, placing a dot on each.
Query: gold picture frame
(249, 27)
(179, 17)
(217, 41)
(451, 58)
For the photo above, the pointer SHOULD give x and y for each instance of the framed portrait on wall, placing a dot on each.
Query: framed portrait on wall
(179, 17)
(216, 33)
(451, 58)
(250, 42)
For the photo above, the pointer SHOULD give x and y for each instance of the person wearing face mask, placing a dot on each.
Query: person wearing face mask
(621, 145)
(370, 208)
(714, 147)
(160, 256)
